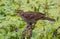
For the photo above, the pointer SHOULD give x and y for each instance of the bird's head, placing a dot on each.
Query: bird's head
(19, 12)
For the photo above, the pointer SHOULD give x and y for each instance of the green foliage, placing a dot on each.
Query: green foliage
(43, 28)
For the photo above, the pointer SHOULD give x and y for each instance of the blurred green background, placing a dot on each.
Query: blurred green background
(43, 28)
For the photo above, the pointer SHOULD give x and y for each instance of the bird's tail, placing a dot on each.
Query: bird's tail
(50, 19)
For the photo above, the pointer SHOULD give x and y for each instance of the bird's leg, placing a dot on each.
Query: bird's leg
(23, 34)
(29, 32)
(30, 28)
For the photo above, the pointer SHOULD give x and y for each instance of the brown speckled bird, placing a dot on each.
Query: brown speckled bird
(31, 17)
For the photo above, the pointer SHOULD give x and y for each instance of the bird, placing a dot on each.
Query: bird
(30, 18)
